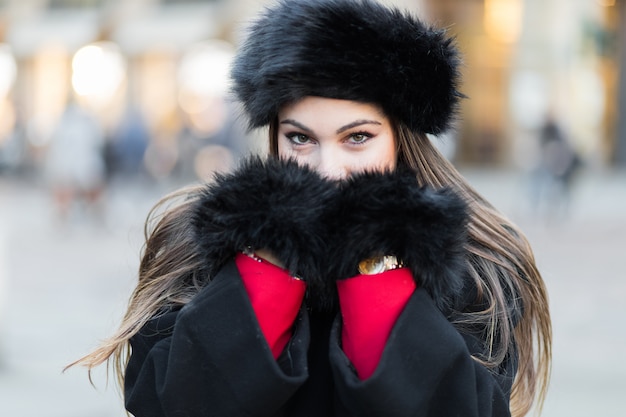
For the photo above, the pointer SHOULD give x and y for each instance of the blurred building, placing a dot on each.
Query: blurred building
(530, 60)
(163, 61)
(166, 61)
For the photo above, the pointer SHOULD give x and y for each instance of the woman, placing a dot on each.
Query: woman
(353, 272)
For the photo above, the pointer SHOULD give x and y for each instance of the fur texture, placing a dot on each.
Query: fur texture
(390, 214)
(348, 49)
(270, 204)
(321, 230)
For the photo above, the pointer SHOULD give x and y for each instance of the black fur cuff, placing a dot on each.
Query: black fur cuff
(270, 204)
(390, 214)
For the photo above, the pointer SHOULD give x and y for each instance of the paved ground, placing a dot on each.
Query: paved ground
(63, 288)
(582, 257)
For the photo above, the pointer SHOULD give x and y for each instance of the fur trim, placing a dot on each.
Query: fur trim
(348, 49)
(389, 214)
(270, 204)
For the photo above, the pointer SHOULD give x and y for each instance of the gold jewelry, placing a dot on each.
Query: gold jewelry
(379, 264)
(249, 252)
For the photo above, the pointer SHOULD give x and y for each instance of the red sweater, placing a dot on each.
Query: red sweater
(370, 306)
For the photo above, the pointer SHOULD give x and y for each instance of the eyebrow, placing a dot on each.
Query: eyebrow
(296, 124)
(340, 130)
(357, 123)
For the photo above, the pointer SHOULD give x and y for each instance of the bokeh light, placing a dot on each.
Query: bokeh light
(98, 70)
(203, 82)
(203, 73)
(8, 69)
(503, 19)
(8, 74)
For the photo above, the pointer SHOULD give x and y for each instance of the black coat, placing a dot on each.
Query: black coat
(210, 358)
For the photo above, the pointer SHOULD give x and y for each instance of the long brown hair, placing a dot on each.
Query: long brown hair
(502, 264)
(500, 261)
(170, 274)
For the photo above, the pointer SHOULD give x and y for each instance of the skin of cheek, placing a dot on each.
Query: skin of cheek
(375, 157)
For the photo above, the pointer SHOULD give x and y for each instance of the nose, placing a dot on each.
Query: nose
(331, 165)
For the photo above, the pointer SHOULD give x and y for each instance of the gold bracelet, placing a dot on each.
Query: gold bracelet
(249, 252)
(379, 264)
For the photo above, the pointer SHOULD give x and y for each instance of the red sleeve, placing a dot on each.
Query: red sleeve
(275, 296)
(370, 306)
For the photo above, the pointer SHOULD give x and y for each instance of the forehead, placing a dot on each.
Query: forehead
(313, 107)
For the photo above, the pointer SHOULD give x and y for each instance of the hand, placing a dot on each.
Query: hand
(389, 214)
(272, 206)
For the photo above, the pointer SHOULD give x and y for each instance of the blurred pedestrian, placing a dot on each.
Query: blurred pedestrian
(74, 167)
(352, 272)
(13, 147)
(557, 166)
(128, 145)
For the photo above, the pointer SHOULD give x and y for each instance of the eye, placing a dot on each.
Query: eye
(359, 137)
(298, 138)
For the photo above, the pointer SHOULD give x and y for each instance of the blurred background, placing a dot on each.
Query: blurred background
(105, 106)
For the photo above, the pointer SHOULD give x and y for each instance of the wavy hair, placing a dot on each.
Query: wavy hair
(512, 294)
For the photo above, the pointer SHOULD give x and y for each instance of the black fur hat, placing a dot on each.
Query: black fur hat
(348, 49)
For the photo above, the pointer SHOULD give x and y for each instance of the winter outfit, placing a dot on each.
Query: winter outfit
(223, 355)
(327, 335)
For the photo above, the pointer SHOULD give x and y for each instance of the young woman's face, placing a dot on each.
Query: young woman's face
(336, 137)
